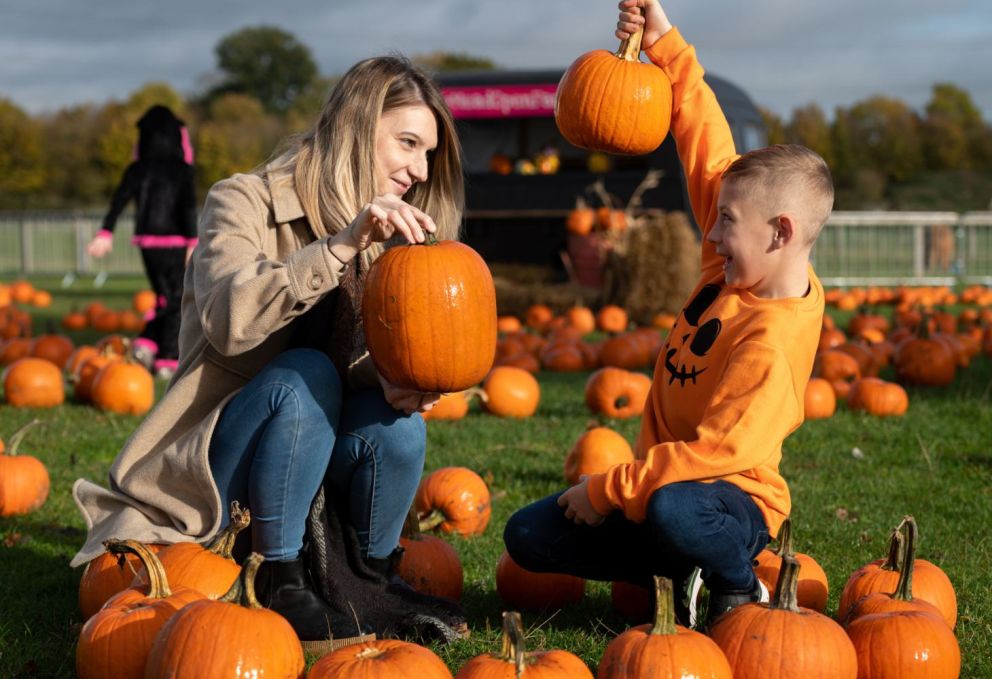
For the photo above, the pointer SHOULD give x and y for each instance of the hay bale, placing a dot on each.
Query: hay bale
(654, 266)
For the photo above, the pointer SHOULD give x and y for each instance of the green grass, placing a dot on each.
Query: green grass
(933, 463)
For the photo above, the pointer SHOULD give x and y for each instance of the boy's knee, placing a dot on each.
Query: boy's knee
(673, 511)
(517, 538)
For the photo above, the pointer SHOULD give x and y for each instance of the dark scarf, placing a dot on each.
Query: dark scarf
(334, 324)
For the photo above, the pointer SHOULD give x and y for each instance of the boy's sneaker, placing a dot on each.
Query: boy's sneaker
(722, 602)
(692, 599)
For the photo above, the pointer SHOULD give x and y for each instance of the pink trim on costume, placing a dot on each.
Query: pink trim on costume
(169, 363)
(103, 233)
(187, 145)
(149, 315)
(153, 241)
(160, 302)
(151, 345)
(192, 242)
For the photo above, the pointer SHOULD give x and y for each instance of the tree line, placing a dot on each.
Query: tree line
(267, 87)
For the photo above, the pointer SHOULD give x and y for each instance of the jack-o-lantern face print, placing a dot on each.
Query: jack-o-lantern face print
(701, 341)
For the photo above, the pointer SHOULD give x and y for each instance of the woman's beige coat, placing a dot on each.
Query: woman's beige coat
(257, 267)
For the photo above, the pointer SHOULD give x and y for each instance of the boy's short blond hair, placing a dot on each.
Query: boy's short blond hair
(787, 176)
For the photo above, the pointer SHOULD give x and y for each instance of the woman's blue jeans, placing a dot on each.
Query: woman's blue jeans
(715, 526)
(291, 425)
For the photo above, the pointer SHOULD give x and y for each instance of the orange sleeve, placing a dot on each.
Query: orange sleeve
(752, 411)
(702, 134)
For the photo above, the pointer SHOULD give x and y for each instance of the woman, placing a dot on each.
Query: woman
(274, 384)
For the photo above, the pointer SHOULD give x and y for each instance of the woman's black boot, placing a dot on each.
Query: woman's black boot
(285, 587)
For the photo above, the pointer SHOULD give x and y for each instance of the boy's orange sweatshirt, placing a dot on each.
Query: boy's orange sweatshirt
(729, 383)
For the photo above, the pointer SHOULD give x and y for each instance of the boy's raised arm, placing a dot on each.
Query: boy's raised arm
(702, 135)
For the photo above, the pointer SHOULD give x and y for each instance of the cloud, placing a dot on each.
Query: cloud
(785, 53)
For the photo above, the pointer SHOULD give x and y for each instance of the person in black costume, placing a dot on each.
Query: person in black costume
(160, 181)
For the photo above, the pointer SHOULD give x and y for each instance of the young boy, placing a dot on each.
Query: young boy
(705, 490)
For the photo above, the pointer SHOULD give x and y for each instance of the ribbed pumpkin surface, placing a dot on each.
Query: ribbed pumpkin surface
(430, 316)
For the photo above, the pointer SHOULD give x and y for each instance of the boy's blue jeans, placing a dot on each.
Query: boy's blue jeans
(292, 424)
(715, 526)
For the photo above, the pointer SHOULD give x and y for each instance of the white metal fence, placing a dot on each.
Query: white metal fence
(855, 248)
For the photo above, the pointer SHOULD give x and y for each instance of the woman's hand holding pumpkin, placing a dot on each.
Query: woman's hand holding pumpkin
(408, 400)
(385, 216)
(577, 506)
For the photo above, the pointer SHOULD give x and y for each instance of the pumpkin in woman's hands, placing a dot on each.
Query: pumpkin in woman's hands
(429, 314)
(612, 102)
(24, 480)
(456, 499)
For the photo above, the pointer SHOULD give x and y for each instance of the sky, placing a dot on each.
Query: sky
(784, 53)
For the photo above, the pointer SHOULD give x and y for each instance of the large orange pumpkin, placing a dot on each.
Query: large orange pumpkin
(781, 639)
(105, 576)
(210, 569)
(615, 392)
(901, 598)
(813, 587)
(905, 644)
(242, 640)
(878, 397)
(930, 583)
(116, 641)
(614, 103)
(820, 400)
(33, 383)
(515, 662)
(456, 499)
(124, 387)
(510, 391)
(520, 588)
(380, 658)
(24, 480)
(429, 313)
(664, 649)
(598, 449)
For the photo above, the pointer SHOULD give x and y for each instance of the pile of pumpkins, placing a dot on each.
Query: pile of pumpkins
(922, 348)
(105, 375)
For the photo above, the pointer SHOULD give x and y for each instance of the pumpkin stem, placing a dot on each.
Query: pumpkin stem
(513, 641)
(223, 543)
(893, 561)
(630, 49)
(664, 607)
(788, 584)
(18, 435)
(158, 583)
(904, 588)
(473, 392)
(242, 591)
(784, 539)
(430, 238)
(434, 519)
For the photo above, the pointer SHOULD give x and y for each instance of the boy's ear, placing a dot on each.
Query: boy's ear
(785, 230)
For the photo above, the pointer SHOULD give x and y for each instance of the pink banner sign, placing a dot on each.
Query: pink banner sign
(501, 101)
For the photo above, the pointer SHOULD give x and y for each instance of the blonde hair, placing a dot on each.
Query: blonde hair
(787, 176)
(333, 163)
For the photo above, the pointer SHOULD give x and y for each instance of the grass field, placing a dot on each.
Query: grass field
(934, 463)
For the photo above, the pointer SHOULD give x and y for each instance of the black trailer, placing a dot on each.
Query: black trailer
(519, 218)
